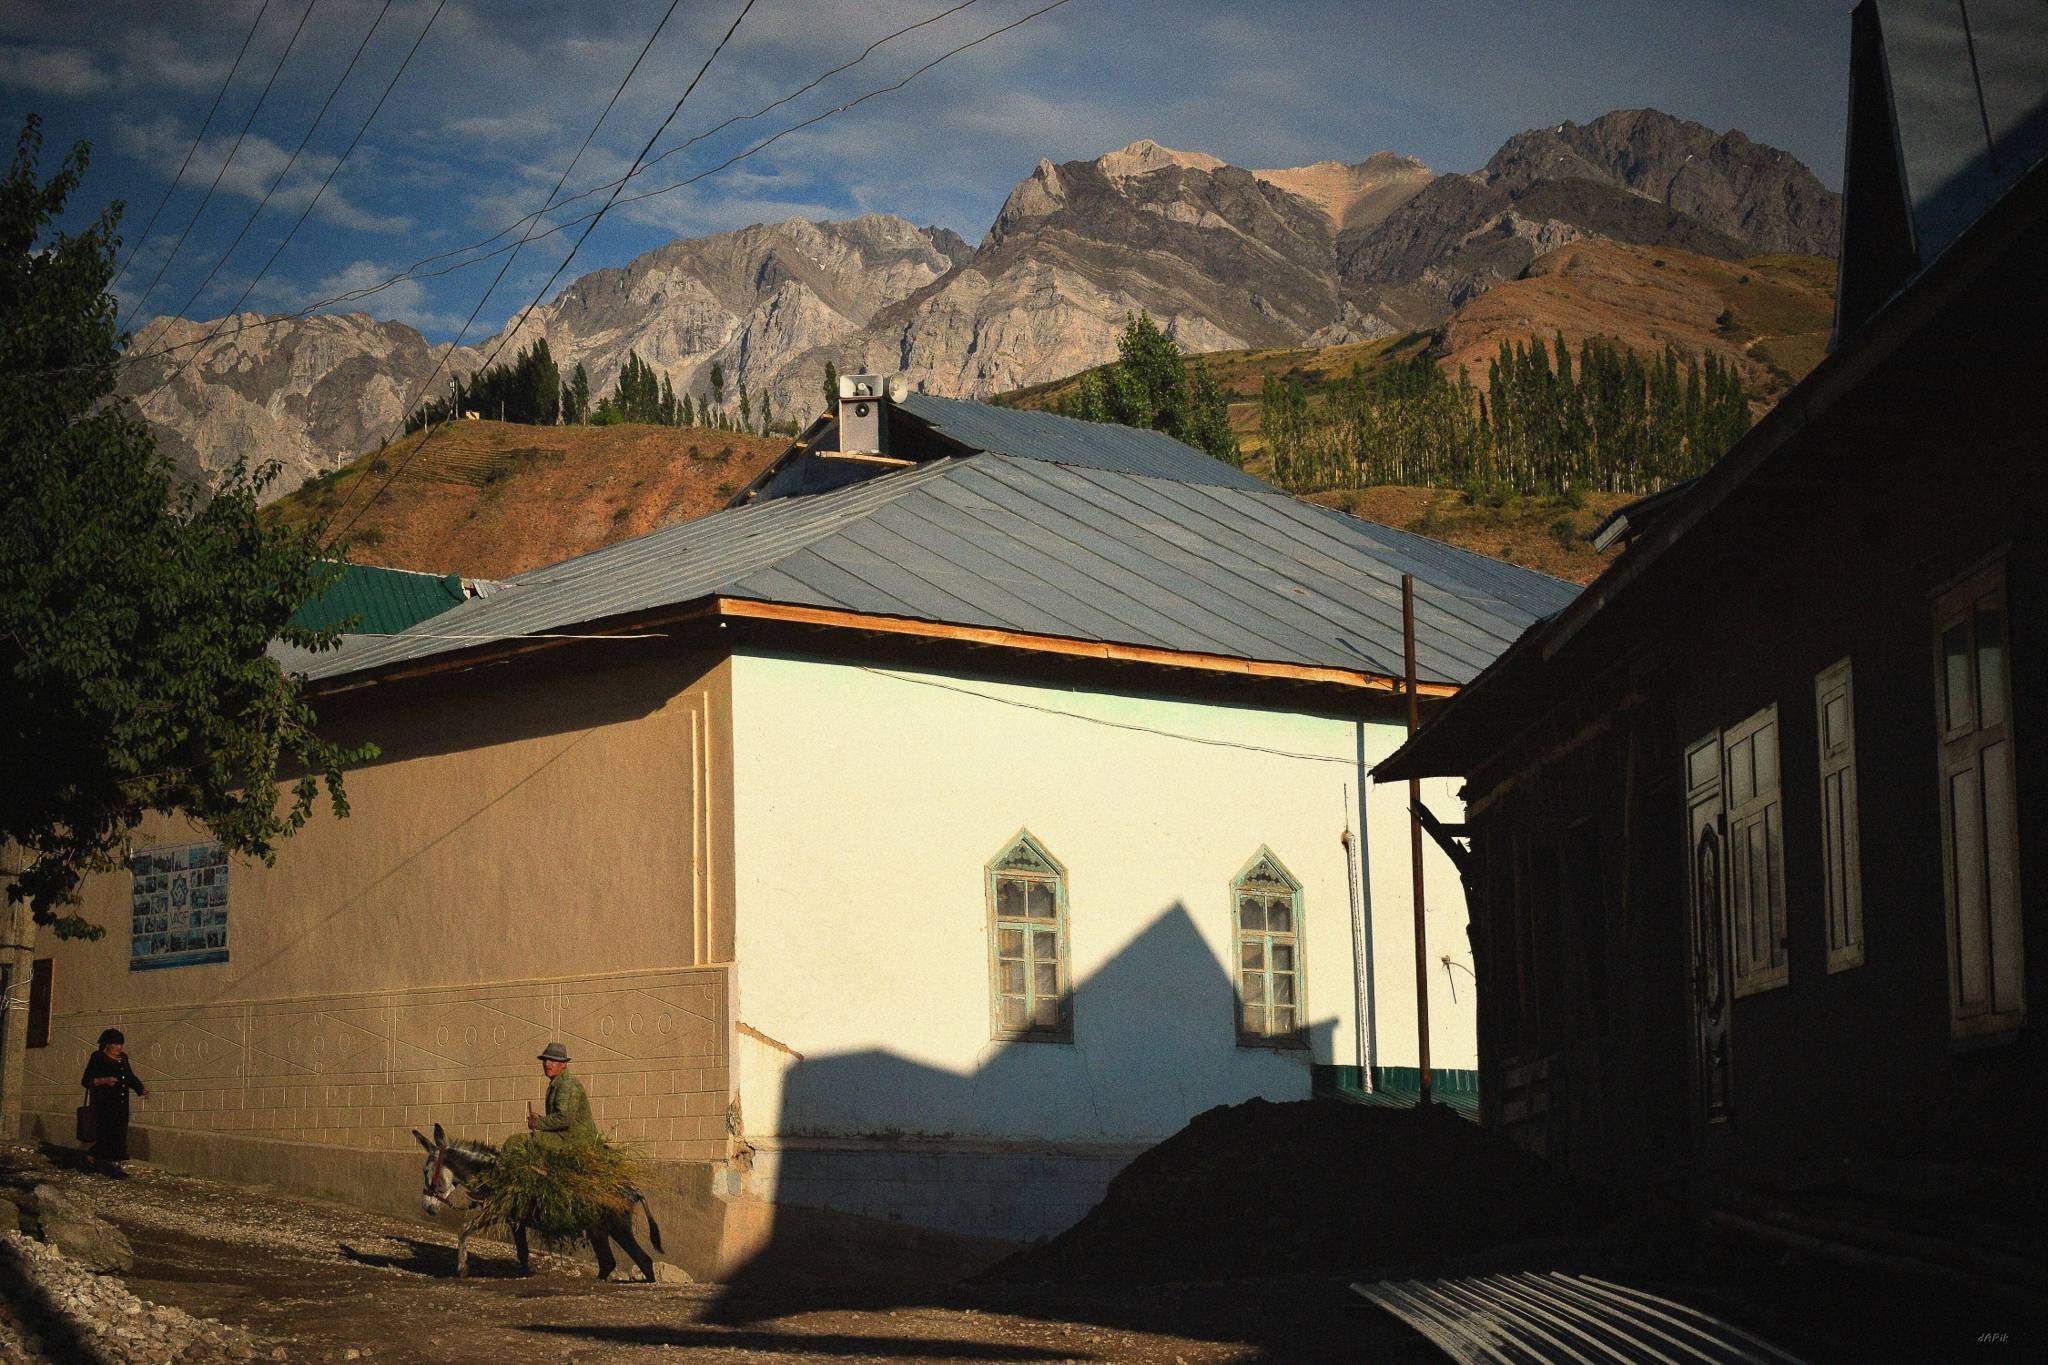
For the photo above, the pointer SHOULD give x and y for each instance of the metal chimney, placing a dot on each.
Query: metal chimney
(864, 401)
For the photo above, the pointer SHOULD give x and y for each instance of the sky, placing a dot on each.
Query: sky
(499, 95)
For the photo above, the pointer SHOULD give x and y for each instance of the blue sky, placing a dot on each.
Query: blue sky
(501, 92)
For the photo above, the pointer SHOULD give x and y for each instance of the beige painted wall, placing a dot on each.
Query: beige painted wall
(869, 801)
(536, 854)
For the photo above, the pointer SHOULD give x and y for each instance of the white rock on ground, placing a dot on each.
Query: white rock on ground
(70, 1225)
(80, 1309)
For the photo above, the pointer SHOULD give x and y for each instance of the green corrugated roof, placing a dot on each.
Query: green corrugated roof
(385, 601)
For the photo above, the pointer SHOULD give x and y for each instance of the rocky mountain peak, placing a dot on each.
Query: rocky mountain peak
(1357, 194)
(1146, 156)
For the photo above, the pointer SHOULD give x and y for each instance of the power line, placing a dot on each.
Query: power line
(414, 271)
(420, 390)
(264, 202)
(1104, 721)
(204, 124)
(233, 151)
(347, 151)
(596, 218)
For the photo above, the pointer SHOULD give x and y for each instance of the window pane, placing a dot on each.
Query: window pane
(1280, 916)
(1283, 957)
(1765, 748)
(1040, 902)
(1252, 953)
(1283, 989)
(1251, 913)
(1991, 664)
(2001, 880)
(1045, 978)
(1009, 943)
(1966, 849)
(1013, 1011)
(1955, 655)
(1254, 989)
(1254, 1019)
(1046, 1013)
(1009, 897)
(1010, 978)
(1281, 1022)
(1045, 945)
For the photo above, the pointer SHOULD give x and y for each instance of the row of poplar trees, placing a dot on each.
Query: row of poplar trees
(531, 390)
(1616, 420)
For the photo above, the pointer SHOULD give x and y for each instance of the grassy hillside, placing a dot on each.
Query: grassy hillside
(489, 499)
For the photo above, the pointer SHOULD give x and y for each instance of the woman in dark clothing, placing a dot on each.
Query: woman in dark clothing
(108, 1079)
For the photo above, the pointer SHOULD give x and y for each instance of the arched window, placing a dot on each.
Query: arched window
(1029, 982)
(1266, 907)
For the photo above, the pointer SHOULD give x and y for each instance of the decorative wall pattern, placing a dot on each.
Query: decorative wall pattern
(364, 1070)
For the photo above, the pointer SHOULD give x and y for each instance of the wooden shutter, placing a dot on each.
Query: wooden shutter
(1834, 705)
(1756, 852)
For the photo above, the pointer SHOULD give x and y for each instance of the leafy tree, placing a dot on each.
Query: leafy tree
(767, 414)
(831, 385)
(718, 385)
(746, 411)
(135, 609)
(1151, 384)
(576, 405)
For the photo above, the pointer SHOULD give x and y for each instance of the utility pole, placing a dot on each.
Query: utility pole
(1415, 842)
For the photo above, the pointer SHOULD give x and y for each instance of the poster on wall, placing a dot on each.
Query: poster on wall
(178, 909)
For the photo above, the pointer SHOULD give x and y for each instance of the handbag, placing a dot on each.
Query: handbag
(88, 1131)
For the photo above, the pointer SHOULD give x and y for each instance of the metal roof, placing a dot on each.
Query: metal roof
(379, 600)
(1031, 546)
(1068, 440)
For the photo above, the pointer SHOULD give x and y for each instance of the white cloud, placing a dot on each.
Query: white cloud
(257, 163)
(52, 70)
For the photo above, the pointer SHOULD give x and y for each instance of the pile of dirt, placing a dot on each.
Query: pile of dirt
(1314, 1186)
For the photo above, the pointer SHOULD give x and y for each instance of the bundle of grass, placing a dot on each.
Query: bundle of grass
(557, 1192)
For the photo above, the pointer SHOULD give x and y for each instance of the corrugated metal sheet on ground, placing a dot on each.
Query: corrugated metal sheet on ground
(1067, 440)
(1527, 1317)
(1045, 548)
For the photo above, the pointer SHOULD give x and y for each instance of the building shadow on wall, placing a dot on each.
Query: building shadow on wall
(1154, 1042)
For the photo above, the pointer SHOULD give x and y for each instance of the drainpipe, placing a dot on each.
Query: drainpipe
(1415, 845)
(1361, 947)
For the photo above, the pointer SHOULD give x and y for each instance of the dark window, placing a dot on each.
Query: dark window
(39, 1003)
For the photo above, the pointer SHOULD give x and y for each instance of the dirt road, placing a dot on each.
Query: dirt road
(323, 1282)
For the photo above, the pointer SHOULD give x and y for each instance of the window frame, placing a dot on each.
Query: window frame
(1840, 823)
(1960, 749)
(993, 872)
(1297, 1037)
(1764, 808)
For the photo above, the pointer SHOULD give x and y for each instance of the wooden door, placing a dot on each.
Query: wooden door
(1712, 979)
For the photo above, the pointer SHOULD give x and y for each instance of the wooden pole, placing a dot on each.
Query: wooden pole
(1415, 841)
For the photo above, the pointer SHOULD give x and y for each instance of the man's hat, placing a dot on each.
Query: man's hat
(554, 1052)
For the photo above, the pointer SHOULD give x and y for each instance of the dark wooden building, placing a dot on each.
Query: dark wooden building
(1757, 864)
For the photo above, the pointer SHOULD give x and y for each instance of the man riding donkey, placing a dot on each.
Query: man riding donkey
(565, 1134)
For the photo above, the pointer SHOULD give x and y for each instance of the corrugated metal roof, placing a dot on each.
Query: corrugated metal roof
(1045, 548)
(1067, 440)
(380, 600)
(1508, 1319)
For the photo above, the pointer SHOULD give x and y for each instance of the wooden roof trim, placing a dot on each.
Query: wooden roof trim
(751, 609)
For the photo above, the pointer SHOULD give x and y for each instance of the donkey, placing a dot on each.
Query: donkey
(450, 1164)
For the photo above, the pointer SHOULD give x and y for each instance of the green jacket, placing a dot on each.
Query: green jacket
(567, 1120)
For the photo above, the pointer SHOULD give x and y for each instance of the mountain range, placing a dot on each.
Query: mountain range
(1225, 257)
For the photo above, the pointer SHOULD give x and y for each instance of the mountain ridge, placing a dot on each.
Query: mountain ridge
(1225, 257)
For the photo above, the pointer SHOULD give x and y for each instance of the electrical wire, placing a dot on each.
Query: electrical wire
(200, 137)
(233, 151)
(415, 270)
(596, 218)
(420, 389)
(1349, 762)
(264, 202)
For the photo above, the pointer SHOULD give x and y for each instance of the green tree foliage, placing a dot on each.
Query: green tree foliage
(1152, 385)
(746, 411)
(718, 385)
(1609, 418)
(636, 397)
(576, 396)
(134, 610)
(831, 385)
(528, 390)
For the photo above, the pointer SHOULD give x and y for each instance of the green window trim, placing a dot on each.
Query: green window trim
(1030, 977)
(1266, 944)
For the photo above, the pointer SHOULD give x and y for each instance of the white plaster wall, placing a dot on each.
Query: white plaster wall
(867, 802)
